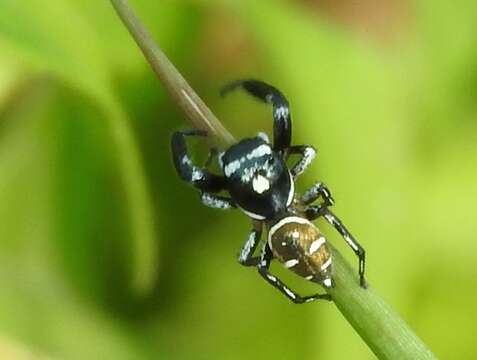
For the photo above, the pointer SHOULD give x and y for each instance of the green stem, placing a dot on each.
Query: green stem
(387, 335)
(195, 109)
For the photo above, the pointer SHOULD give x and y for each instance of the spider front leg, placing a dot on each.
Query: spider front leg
(308, 153)
(263, 269)
(246, 257)
(199, 177)
(314, 212)
(281, 112)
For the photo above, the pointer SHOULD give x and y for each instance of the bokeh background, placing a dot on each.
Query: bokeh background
(105, 254)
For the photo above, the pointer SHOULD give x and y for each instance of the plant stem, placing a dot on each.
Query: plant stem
(186, 98)
(386, 334)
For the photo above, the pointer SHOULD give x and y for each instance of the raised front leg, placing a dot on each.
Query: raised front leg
(314, 212)
(308, 153)
(197, 176)
(281, 112)
(246, 257)
(263, 266)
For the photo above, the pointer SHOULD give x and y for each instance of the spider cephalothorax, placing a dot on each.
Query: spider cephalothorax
(256, 176)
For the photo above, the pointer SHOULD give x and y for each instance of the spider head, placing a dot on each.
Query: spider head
(257, 178)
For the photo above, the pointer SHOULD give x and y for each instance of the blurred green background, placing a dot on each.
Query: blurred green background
(106, 254)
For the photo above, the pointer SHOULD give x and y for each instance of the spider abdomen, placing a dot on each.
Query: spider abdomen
(300, 247)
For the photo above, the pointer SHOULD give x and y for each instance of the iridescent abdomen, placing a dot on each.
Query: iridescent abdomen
(300, 247)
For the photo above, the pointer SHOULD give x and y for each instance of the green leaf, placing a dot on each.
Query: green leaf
(57, 39)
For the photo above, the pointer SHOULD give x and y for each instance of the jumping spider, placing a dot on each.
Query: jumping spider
(259, 182)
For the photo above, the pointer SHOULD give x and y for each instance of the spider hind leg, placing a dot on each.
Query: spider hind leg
(314, 212)
(263, 269)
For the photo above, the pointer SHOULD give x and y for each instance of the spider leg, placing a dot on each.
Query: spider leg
(263, 269)
(318, 190)
(216, 202)
(197, 176)
(246, 257)
(307, 152)
(281, 112)
(314, 212)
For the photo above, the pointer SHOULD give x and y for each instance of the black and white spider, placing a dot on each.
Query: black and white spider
(259, 183)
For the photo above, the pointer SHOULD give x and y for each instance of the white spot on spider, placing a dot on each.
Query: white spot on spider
(291, 263)
(308, 155)
(291, 194)
(249, 172)
(284, 221)
(259, 151)
(220, 158)
(295, 234)
(231, 167)
(284, 243)
(247, 248)
(327, 282)
(281, 111)
(186, 160)
(271, 277)
(309, 277)
(326, 264)
(260, 184)
(315, 245)
(332, 220)
(251, 214)
(263, 136)
(351, 242)
(196, 174)
(214, 202)
(289, 293)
